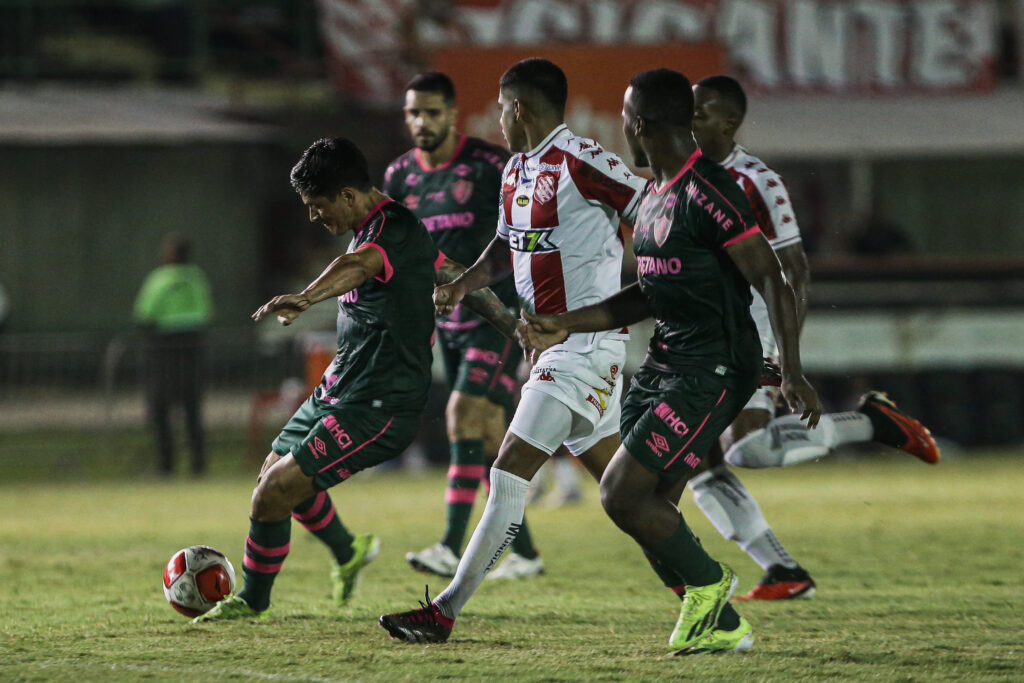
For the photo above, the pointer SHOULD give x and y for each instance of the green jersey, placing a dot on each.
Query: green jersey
(701, 301)
(458, 201)
(174, 298)
(385, 324)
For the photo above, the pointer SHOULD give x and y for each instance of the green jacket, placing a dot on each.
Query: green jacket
(174, 298)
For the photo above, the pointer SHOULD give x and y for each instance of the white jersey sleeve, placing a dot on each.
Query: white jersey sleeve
(768, 196)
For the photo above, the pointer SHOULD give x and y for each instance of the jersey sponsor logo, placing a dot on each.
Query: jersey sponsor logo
(412, 201)
(546, 186)
(554, 168)
(704, 202)
(669, 417)
(349, 297)
(462, 190)
(462, 170)
(662, 227)
(658, 265)
(531, 241)
(658, 444)
(597, 404)
(489, 357)
(449, 221)
(522, 200)
(339, 435)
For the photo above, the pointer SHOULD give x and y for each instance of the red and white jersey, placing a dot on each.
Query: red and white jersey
(769, 198)
(561, 206)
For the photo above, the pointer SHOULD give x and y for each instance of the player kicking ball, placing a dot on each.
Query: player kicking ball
(698, 251)
(367, 407)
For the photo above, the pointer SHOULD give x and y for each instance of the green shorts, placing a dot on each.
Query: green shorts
(670, 421)
(333, 443)
(481, 362)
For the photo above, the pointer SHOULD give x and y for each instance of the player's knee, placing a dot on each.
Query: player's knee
(270, 498)
(617, 506)
(466, 417)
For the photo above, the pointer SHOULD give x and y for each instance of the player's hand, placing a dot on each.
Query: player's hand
(287, 307)
(540, 332)
(802, 398)
(447, 297)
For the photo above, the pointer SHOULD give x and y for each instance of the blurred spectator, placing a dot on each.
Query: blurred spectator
(173, 307)
(5, 307)
(878, 236)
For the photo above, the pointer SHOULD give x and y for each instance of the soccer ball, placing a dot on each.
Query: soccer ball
(196, 578)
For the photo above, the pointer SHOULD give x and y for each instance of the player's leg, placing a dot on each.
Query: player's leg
(527, 445)
(158, 404)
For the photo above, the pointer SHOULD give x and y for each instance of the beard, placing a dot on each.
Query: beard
(436, 142)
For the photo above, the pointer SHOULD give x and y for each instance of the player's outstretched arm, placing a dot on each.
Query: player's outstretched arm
(798, 275)
(759, 265)
(495, 263)
(345, 273)
(483, 302)
(625, 307)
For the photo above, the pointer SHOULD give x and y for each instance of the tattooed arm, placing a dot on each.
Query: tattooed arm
(483, 302)
(344, 274)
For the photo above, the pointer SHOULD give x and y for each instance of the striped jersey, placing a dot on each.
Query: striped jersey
(769, 198)
(561, 204)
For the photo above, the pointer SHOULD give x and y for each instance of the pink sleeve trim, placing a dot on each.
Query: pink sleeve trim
(439, 260)
(388, 270)
(742, 236)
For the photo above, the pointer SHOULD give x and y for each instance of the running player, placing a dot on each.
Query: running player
(562, 199)
(698, 251)
(452, 183)
(367, 407)
(754, 439)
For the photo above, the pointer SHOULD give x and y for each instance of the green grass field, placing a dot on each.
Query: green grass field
(919, 574)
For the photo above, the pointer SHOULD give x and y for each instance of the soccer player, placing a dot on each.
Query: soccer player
(699, 249)
(452, 182)
(561, 203)
(756, 439)
(367, 407)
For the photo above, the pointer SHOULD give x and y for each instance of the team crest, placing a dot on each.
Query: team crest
(545, 188)
(462, 190)
(662, 227)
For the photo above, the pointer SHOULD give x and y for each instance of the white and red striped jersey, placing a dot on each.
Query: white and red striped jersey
(769, 198)
(561, 206)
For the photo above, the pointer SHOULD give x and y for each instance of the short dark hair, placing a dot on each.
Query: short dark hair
(435, 82)
(329, 165)
(542, 77)
(729, 89)
(663, 96)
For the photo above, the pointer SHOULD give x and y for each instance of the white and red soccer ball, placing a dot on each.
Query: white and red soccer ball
(196, 578)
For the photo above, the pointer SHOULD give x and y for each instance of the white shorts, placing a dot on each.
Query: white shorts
(572, 398)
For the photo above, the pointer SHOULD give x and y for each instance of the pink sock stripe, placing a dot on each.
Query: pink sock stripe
(466, 471)
(269, 552)
(261, 567)
(706, 418)
(678, 590)
(322, 523)
(460, 496)
(314, 510)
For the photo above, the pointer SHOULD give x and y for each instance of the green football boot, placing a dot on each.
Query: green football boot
(701, 608)
(231, 607)
(722, 641)
(346, 576)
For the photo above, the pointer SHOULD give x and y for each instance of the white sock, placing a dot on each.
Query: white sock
(495, 532)
(787, 441)
(728, 505)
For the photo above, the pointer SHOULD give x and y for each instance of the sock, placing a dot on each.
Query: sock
(785, 441)
(850, 427)
(522, 544)
(496, 530)
(265, 550)
(672, 581)
(682, 553)
(464, 475)
(728, 620)
(320, 518)
(729, 506)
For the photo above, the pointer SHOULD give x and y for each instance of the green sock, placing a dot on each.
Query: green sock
(464, 475)
(672, 580)
(318, 515)
(265, 550)
(682, 553)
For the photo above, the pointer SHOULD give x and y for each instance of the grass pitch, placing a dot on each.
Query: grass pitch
(918, 569)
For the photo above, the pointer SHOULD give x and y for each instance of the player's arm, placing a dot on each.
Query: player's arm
(483, 302)
(626, 307)
(756, 259)
(345, 273)
(798, 274)
(493, 264)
